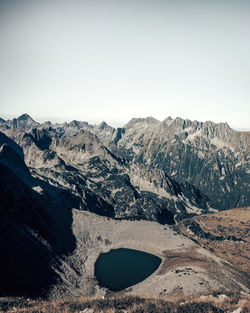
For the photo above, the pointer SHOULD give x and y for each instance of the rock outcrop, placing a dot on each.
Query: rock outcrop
(23, 122)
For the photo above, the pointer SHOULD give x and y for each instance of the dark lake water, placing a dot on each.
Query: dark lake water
(121, 268)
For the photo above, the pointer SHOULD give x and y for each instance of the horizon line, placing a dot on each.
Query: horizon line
(114, 124)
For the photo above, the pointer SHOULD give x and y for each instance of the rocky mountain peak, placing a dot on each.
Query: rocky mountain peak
(185, 127)
(23, 122)
(193, 151)
(25, 117)
(220, 131)
(79, 125)
(180, 124)
(74, 123)
(103, 125)
(141, 120)
(167, 120)
(46, 124)
(151, 120)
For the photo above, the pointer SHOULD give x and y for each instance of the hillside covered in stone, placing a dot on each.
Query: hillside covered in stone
(105, 184)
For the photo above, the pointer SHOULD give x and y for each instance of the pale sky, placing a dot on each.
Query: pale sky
(113, 60)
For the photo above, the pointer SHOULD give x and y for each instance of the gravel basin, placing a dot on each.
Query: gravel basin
(186, 268)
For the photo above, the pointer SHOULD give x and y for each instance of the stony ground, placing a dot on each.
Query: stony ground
(186, 268)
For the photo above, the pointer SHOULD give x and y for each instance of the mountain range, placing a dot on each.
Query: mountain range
(211, 157)
(147, 170)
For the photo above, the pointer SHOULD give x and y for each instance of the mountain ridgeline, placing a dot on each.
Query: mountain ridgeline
(212, 157)
(204, 165)
(79, 163)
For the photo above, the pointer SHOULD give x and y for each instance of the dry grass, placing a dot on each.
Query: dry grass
(206, 304)
(226, 224)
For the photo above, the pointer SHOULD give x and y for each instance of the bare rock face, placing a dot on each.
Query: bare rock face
(103, 130)
(6, 140)
(23, 122)
(105, 184)
(212, 157)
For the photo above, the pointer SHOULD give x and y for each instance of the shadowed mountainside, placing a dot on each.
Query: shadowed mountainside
(35, 229)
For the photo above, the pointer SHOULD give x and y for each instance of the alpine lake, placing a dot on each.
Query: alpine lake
(122, 268)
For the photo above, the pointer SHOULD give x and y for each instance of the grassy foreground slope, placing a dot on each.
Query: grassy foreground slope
(211, 304)
(225, 234)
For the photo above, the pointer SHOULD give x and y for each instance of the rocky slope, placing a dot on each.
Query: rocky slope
(106, 185)
(35, 228)
(186, 268)
(212, 157)
(23, 122)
